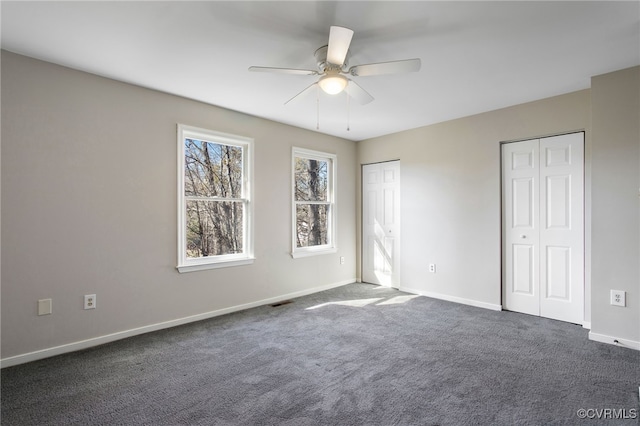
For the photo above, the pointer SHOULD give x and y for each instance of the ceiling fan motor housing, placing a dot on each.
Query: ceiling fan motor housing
(324, 66)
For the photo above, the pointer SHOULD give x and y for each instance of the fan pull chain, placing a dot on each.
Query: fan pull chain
(348, 113)
(318, 107)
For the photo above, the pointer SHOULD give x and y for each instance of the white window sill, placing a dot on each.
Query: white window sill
(313, 252)
(214, 265)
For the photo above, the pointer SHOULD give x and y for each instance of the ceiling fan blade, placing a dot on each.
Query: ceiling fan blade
(393, 67)
(358, 93)
(339, 41)
(299, 95)
(283, 70)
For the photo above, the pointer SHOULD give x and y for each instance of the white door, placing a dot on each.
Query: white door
(381, 223)
(543, 227)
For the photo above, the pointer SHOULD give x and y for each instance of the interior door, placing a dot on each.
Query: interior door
(521, 233)
(381, 223)
(543, 227)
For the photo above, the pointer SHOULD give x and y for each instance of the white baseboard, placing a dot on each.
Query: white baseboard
(586, 324)
(95, 341)
(617, 341)
(455, 299)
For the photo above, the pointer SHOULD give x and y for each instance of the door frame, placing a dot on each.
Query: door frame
(586, 224)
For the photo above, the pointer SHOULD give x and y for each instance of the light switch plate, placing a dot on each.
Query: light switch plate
(45, 306)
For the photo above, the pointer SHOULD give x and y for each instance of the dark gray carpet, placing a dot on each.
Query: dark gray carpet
(420, 362)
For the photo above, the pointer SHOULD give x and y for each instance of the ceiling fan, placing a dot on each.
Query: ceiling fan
(332, 61)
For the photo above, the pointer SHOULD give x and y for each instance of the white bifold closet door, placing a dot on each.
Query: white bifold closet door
(543, 227)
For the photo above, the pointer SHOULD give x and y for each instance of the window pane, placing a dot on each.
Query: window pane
(212, 170)
(213, 228)
(311, 225)
(310, 179)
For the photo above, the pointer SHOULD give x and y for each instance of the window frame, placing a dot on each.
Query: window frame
(332, 167)
(186, 264)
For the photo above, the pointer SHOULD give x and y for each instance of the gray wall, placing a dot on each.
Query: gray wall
(89, 205)
(616, 205)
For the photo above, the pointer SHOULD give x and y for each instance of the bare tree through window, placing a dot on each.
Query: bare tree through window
(313, 206)
(213, 192)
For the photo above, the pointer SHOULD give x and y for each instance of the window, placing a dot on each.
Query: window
(214, 199)
(314, 208)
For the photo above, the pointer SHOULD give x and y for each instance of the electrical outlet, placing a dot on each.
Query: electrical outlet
(432, 267)
(89, 301)
(342, 260)
(618, 298)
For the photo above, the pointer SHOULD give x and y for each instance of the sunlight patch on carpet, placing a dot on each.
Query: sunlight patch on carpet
(358, 303)
(398, 300)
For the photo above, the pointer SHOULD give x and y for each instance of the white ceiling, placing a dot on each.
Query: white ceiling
(476, 56)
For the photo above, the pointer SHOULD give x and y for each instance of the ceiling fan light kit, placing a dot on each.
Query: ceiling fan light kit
(333, 84)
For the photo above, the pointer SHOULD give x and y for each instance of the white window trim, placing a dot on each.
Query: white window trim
(227, 260)
(331, 247)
